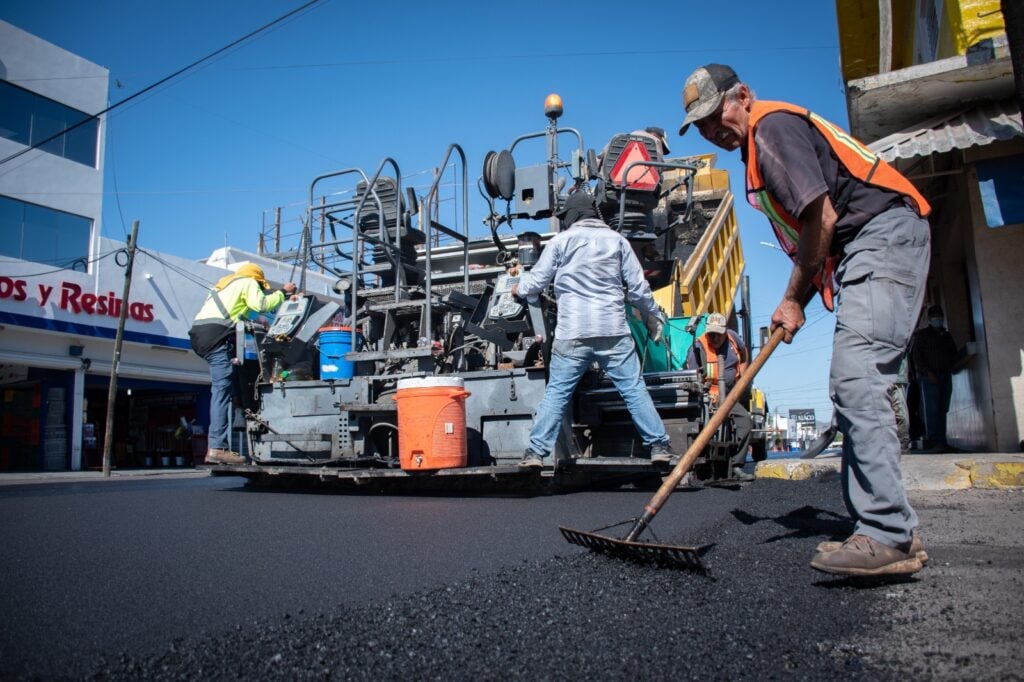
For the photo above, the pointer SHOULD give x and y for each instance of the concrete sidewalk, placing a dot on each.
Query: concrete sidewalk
(943, 471)
(28, 477)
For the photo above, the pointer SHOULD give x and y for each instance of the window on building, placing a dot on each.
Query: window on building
(43, 235)
(999, 182)
(28, 119)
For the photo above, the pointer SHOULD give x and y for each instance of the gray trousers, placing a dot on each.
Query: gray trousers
(743, 427)
(881, 287)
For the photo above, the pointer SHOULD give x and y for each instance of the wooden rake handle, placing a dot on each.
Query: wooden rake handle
(668, 486)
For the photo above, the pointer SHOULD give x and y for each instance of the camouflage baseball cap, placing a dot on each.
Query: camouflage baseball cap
(704, 90)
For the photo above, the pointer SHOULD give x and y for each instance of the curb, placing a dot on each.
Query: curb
(949, 471)
(797, 469)
(994, 475)
(34, 477)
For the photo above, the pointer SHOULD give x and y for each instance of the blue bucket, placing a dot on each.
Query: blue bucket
(335, 342)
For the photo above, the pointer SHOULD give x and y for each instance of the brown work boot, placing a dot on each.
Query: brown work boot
(916, 548)
(862, 555)
(221, 456)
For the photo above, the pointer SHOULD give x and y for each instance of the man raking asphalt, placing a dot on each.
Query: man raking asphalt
(856, 230)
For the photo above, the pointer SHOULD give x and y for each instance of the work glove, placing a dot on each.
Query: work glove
(655, 326)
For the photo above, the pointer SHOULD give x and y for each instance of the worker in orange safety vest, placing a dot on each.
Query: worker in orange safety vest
(857, 231)
(722, 358)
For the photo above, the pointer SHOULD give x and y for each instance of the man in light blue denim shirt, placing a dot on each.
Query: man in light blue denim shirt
(595, 272)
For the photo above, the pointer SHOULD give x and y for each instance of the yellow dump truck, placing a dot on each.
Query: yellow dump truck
(707, 274)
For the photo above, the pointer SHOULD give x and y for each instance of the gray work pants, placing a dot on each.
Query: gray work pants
(881, 287)
(743, 427)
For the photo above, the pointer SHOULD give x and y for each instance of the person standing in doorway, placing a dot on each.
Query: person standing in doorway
(934, 354)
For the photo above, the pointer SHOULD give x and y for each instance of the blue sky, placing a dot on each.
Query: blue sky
(199, 161)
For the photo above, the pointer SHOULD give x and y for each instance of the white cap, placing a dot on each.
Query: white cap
(715, 323)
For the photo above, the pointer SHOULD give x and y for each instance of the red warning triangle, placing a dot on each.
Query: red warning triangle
(640, 177)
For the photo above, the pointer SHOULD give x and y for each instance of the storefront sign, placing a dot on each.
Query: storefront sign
(802, 416)
(13, 374)
(70, 297)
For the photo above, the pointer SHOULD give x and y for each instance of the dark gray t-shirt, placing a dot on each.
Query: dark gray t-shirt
(696, 357)
(797, 165)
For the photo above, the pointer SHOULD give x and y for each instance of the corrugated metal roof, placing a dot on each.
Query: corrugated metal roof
(975, 126)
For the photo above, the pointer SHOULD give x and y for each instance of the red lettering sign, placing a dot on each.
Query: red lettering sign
(74, 300)
(12, 288)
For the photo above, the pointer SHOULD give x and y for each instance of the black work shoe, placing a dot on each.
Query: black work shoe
(740, 475)
(863, 555)
(916, 548)
(531, 460)
(662, 453)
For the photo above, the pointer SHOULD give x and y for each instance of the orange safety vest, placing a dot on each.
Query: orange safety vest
(711, 360)
(858, 160)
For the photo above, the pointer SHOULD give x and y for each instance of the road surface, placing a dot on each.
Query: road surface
(201, 578)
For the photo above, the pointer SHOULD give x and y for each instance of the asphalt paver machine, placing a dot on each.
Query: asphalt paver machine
(417, 299)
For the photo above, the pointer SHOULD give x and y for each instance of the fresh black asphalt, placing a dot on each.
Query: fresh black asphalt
(205, 578)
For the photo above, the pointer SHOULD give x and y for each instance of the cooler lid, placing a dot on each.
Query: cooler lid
(431, 382)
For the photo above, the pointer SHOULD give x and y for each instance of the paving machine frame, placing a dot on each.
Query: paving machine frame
(413, 306)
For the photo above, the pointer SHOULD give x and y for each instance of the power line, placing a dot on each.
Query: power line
(538, 55)
(160, 82)
(84, 261)
(179, 270)
(812, 385)
(256, 130)
(117, 194)
(802, 350)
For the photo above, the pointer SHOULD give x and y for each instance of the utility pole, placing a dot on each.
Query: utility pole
(277, 230)
(108, 436)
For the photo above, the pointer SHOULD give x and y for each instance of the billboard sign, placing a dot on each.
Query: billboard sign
(802, 416)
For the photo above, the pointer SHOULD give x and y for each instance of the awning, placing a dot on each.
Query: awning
(976, 126)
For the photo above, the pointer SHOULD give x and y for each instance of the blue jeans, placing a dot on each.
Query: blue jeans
(570, 359)
(222, 374)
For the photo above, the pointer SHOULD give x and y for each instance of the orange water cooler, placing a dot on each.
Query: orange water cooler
(431, 423)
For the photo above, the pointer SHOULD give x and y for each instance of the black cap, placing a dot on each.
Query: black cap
(577, 200)
(578, 206)
(659, 133)
(935, 311)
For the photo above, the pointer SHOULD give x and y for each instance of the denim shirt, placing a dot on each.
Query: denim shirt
(595, 272)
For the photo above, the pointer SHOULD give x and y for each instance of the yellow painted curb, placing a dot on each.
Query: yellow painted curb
(772, 470)
(794, 471)
(1000, 475)
(960, 479)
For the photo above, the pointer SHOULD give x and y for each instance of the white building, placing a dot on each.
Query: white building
(61, 285)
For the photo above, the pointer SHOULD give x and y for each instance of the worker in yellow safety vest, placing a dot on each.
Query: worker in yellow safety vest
(232, 298)
(722, 358)
(857, 231)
